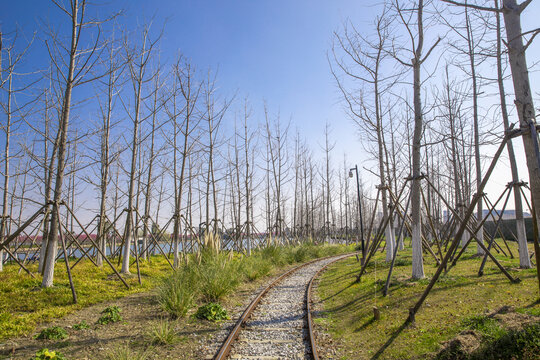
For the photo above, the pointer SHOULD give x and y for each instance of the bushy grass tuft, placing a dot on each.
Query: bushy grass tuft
(218, 276)
(255, 266)
(176, 294)
(162, 333)
(124, 352)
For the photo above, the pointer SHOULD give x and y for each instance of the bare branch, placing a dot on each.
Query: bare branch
(477, 7)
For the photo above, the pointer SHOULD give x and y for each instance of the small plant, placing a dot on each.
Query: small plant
(111, 314)
(53, 333)
(162, 333)
(46, 354)
(81, 326)
(212, 312)
(124, 352)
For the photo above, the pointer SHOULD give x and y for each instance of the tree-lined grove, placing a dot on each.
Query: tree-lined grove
(115, 151)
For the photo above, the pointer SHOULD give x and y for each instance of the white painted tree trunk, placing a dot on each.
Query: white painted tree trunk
(522, 89)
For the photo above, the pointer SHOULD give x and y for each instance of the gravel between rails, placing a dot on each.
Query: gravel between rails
(277, 328)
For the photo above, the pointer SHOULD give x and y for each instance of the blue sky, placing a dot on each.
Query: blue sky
(269, 50)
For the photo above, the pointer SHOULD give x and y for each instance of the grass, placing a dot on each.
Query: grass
(215, 276)
(496, 342)
(125, 352)
(24, 304)
(162, 333)
(458, 302)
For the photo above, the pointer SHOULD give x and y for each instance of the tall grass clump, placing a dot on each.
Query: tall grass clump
(255, 266)
(218, 275)
(177, 293)
(215, 274)
(275, 254)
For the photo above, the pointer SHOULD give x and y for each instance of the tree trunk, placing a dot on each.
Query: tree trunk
(52, 244)
(524, 260)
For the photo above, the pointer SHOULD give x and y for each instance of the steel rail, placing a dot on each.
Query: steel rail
(312, 340)
(225, 348)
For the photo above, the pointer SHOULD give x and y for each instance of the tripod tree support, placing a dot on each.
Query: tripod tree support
(461, 230)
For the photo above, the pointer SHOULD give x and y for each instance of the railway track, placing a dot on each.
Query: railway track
(277, 323)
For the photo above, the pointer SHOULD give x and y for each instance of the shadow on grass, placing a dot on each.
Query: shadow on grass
(365, 325)
(389, 342)
(338, 292)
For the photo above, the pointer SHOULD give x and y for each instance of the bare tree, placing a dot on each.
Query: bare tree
(417, 40)
(366, 57)
(186, 87)
(524, 260)
(137, 60)
(77, 72)
(13, 111)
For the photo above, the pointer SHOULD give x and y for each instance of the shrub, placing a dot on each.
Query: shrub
(53, 333)
(111, 314)
(212, 312)
(46, 354)
(81, 326)
(162, 333)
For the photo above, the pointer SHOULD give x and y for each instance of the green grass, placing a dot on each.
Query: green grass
(162, 333)
(458, 301)
(24, 304)
(125, 352)
(217, 275)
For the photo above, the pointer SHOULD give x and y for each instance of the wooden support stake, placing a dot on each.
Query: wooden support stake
(66, 257)
(457, 238)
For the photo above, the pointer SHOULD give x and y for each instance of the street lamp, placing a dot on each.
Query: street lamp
(355, 168)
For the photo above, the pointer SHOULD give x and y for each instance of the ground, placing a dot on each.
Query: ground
(195, 339)
(346, 308)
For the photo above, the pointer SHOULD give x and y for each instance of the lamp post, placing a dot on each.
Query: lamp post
(355, 168)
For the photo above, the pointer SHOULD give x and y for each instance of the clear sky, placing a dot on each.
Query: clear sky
(266, 49)
(272, 50)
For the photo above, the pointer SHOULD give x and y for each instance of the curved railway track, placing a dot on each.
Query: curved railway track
(277, 323)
